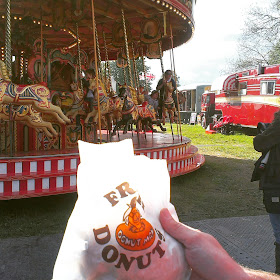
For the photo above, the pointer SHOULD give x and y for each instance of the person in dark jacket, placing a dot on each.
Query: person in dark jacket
(267, 171)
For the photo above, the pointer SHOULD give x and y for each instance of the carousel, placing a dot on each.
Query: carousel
(56, 87)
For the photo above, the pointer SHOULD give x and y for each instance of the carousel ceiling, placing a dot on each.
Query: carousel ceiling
(147, 23)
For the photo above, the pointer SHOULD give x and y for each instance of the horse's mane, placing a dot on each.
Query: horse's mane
(4, 72)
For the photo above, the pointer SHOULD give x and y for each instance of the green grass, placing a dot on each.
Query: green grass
(220, 188)
(229, 146)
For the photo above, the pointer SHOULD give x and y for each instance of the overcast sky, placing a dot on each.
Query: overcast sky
(218, 23)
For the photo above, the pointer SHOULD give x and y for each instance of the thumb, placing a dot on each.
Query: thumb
(179, 231)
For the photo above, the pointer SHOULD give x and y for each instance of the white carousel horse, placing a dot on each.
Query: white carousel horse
(36, 95)
(31, 117)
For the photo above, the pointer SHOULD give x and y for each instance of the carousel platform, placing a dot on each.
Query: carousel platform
(54, 172)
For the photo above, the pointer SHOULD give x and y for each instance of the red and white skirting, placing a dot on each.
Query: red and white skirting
(48, 174)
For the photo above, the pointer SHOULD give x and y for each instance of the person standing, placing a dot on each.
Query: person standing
(167, 82)
(267, 172)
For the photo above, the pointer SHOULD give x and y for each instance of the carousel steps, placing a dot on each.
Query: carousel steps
(49, 173)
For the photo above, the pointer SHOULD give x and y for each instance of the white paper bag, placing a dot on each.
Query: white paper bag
(114, 231)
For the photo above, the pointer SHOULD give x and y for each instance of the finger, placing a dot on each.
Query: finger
(176, 229)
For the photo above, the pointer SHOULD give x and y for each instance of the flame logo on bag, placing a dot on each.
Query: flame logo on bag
(135, 234)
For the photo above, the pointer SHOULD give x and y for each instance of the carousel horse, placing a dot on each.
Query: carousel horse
(143, 115)
(129, 115)
(36, 95)
(78, 106)
(31, 117)
(137, 97)
(110, 107)
(147, 116)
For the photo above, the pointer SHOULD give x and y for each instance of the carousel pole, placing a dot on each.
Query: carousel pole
(8, 39)
(162, 69)
(8, 62)
(127, 50)
(144, 69)
(172, 51)
(136, 80)
(96, 69)
(98, 53)
(79, 57)
(161, 61)
(107, 64)
(124, 72)
(42, 62)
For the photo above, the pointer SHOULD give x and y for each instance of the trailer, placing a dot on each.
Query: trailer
(246, 97)
(191, 96)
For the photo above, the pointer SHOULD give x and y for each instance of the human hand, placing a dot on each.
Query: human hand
(204, 254)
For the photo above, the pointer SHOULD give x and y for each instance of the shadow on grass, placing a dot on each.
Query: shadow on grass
(35, 216)
(221, 188)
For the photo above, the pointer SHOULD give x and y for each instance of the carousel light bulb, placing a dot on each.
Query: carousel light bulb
(50, 25)
(15, 17)
(170, 8)
(163, 4)
(189, 22)
(3, 16)
(20, 18)
(34, 21)
(174, 10)
(177, 12)
(158, 1)
(47, 24)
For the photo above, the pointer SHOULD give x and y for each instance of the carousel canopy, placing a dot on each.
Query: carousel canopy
(147, 23)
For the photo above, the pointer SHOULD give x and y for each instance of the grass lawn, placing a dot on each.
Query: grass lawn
(221, 188)
(229, 146)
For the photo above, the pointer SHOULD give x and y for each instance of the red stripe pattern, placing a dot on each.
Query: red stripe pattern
(46, 175)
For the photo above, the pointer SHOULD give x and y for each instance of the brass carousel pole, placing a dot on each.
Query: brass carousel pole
(8, 62)
(127, 50)
(161, 61)
(79, 57)
(172, 51)
(144, 69)
(107, 64)
(42, 69)
(8, 39)
(96, 69)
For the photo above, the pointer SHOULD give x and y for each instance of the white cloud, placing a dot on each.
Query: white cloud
(218, 25)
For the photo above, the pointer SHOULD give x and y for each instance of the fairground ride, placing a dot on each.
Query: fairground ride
(45, 48)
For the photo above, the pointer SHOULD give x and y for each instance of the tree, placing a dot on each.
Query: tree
(259, 43)
(118, 73)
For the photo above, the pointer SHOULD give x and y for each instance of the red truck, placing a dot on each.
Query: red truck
(246, 98)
